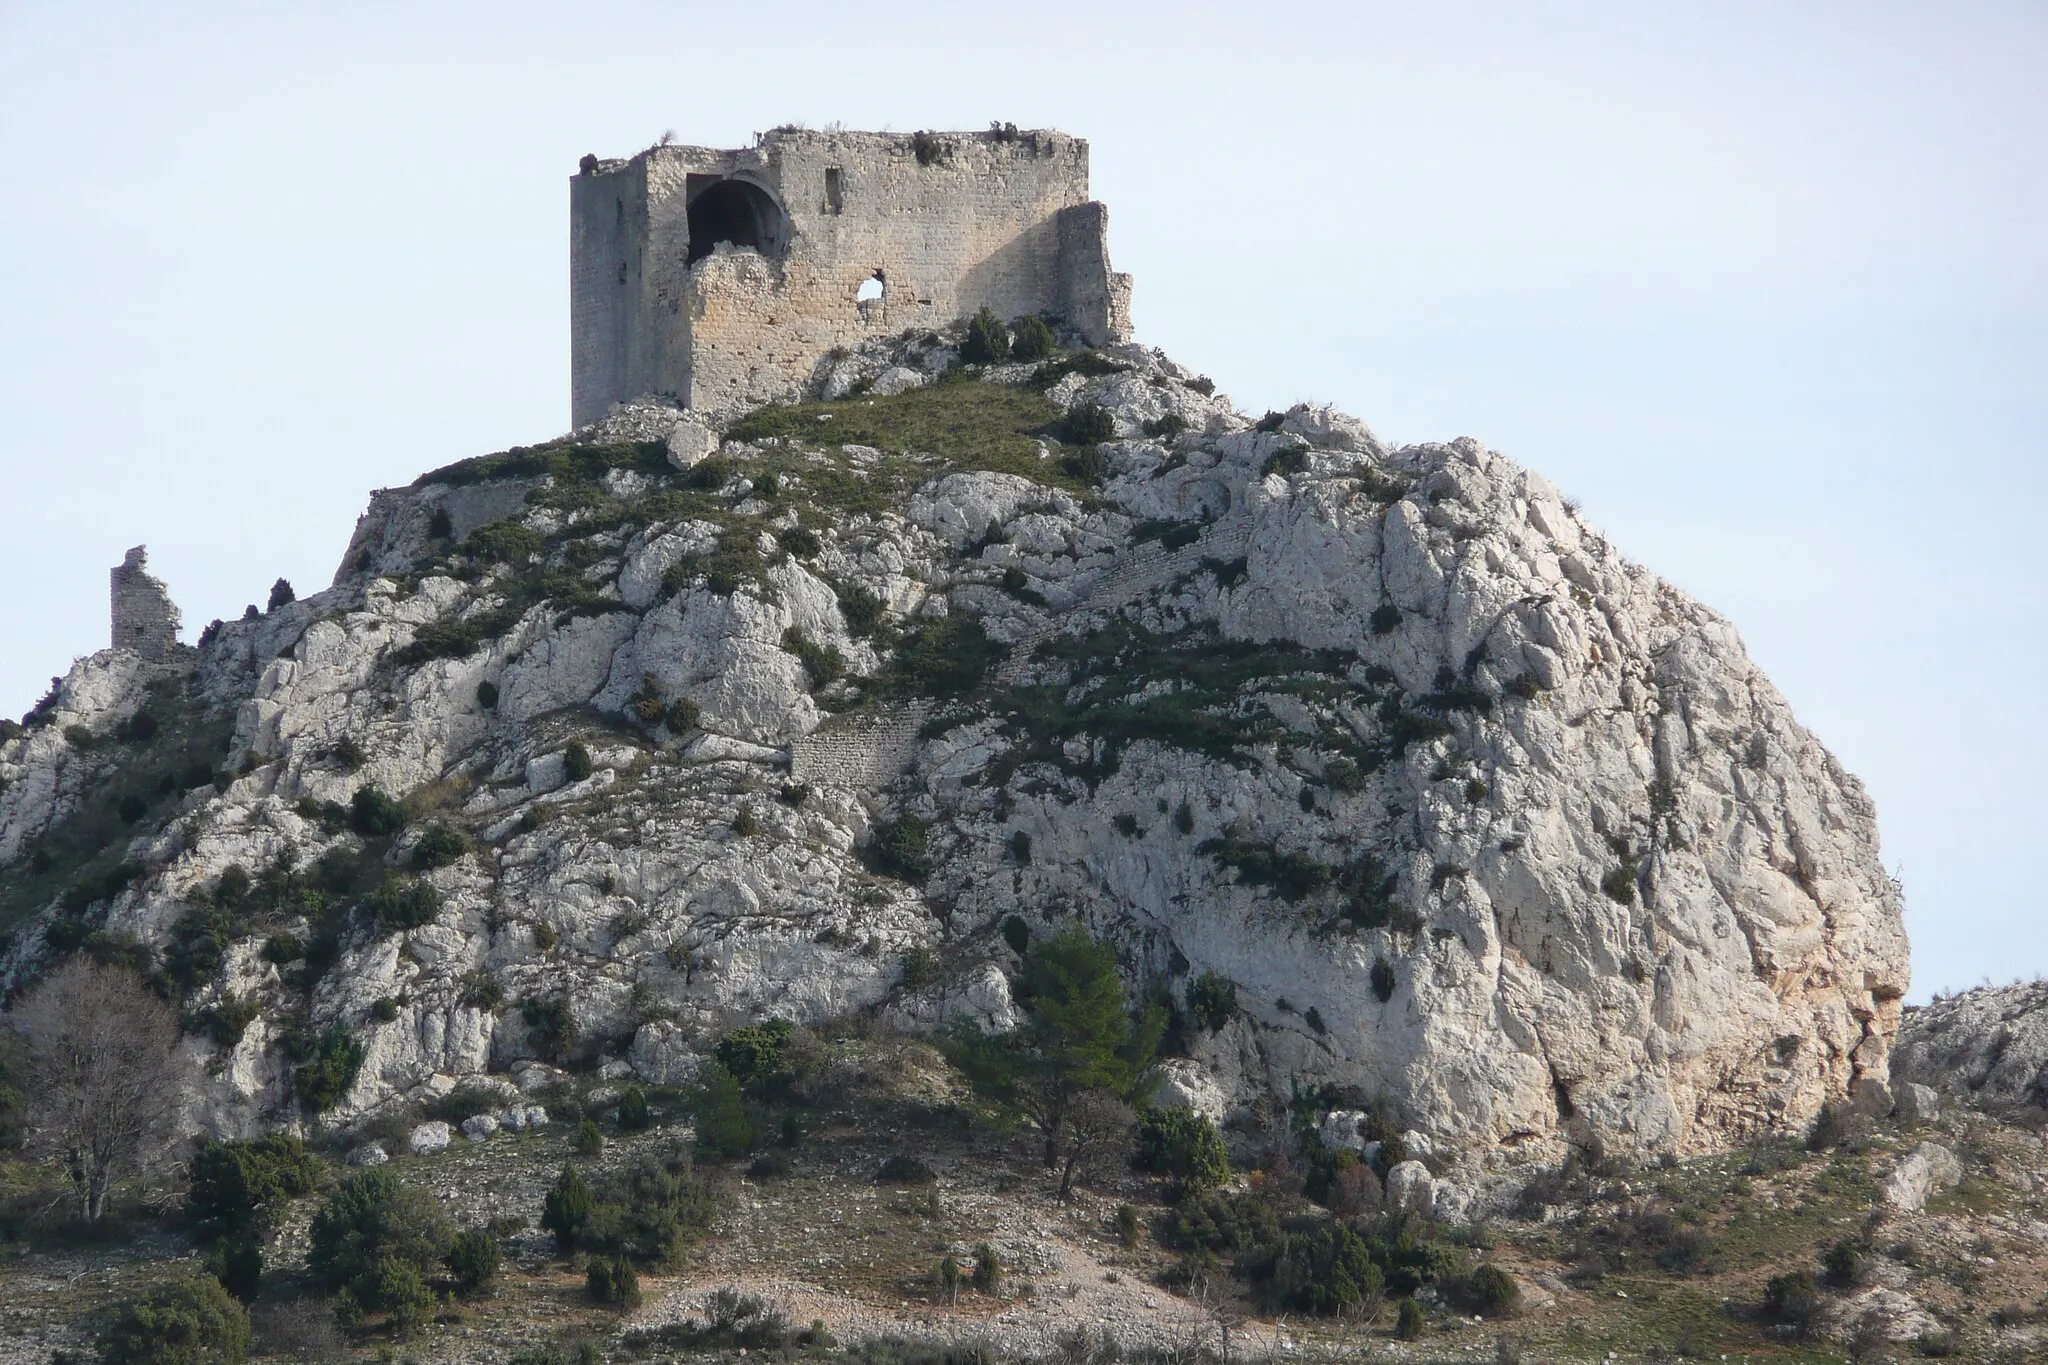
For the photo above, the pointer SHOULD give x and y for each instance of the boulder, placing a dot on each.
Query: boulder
(897, 379)
(368, 1154)
(1922, 1171)
(1186, 1085)
(428, 1138)
(661, 1054)
(1917, 1103)
(479, 1127)
(1344, 1128)
(689, 441)
(1411, 1189)
(1871, 1098)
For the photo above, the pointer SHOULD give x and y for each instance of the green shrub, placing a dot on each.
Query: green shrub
(1182, 1144)
(503, 542)
(238, 1264)
(567, 1208)
(1212, 1000)
(1127, 1224)
(633, 1115)
(372, 1225)
(650, 1211)
(824, 663)
(1408, 1320)
(987, 341)
(1790, 1298)
(1087, 425)
(374, 814)
(576, 761)
(1031, 339)
(1166, 426)
(283, 949)
(193, 1321)
(613, 1280)
(404, 903)
(948, 657)
(1620, 885)
(1326, 1269)
(862, 610)
(384, 1009)
(1221, 1222)
(473, 1259)
(589, 1141)
(1292, 460)
(1491, 1292)
(1291, 875)
(683, 714)
(1843, 1264)
(904, 1169)
(800, 543)
(552, 1022)
(329, 1069)
(919, 966)
(399, 1287)
(759, 1055)
(233, 1182)
(439, 845)
(722, 1123)
(898, 849)
(1016, 932)
(988, 1270)
(482, 991)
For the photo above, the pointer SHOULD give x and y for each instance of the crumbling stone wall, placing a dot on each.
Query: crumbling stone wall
(943, 224)
(145, 619)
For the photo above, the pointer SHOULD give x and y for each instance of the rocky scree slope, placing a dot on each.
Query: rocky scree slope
(1386, 760)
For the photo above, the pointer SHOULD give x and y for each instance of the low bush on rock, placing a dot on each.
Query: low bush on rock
(375, 814)
(184, 1322)
(376, 1239)
(234, 1183)
(1184, 1145)
(473, 1259)
(327, 1068)
(404, 903)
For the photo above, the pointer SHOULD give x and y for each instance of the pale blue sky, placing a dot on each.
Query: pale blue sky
(1764, 285)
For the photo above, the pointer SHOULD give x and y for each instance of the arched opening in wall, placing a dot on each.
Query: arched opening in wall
(734, 211)
(871, 289)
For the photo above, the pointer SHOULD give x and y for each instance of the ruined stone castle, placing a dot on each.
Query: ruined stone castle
(719, 279)
(145, 619)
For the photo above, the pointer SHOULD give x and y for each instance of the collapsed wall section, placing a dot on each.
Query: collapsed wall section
(721, 278)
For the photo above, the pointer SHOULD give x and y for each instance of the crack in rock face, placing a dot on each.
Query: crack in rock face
(592, 753)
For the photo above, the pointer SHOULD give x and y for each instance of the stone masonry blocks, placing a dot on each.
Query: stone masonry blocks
(144, 618)
(721, 278)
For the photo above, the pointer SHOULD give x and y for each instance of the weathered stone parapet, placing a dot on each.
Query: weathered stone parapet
(145, 620)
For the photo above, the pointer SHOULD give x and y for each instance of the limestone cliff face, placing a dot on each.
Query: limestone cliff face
(1472, 811)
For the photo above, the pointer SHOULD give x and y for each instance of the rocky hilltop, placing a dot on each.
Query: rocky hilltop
(1383, 767)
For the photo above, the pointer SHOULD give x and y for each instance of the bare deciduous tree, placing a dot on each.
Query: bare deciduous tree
(1097, 1122)
(102, 1070)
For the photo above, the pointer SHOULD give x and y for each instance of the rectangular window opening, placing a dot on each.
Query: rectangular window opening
(833, 199)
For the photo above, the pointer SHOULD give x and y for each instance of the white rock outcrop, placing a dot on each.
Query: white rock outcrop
(1987, 1047)
(1477, 818)
(1921, 1172)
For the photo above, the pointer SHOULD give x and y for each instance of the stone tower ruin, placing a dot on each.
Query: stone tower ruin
(145, 619)
(720, 279)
